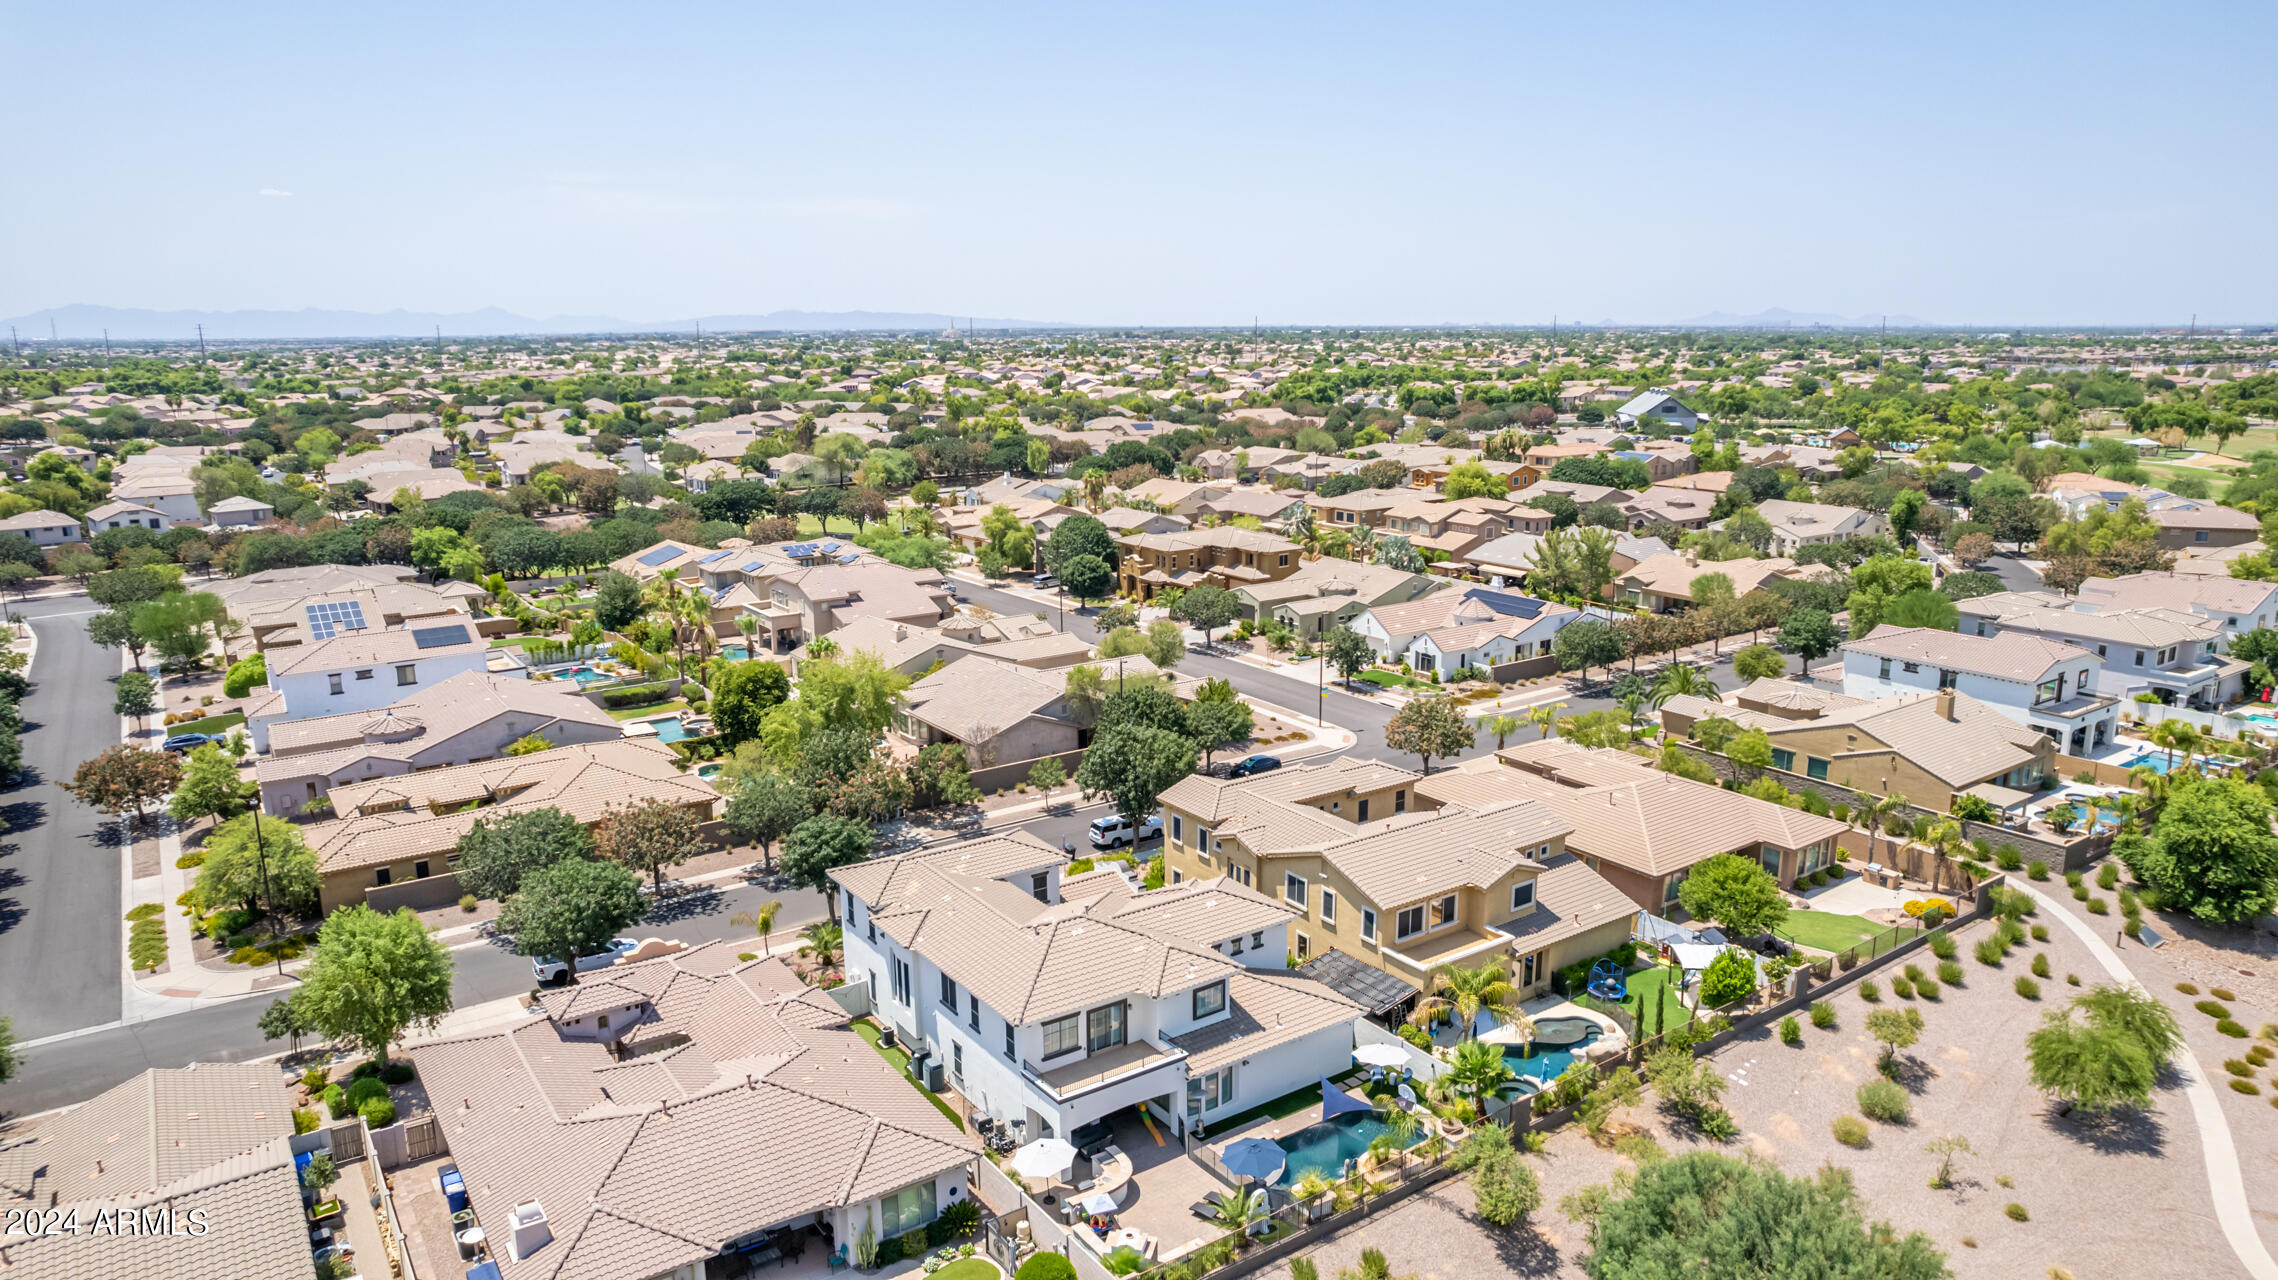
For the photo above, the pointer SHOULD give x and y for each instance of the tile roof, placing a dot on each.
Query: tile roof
(250, 1203)
(2010, 655)
(157, 1128)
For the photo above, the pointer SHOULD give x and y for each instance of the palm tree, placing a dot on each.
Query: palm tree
(1241, 1211)
(2175, 735)
(750, 627)
(1943, 839)
(761, 922)
(1464, 992)
(1502, 727)
(1095, 489)
(1874, 813)
(823, 939)
(1545, 719)
(1681, 679)
(1478, 1070)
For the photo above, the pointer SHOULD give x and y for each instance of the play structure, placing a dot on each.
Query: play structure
(1609, 981)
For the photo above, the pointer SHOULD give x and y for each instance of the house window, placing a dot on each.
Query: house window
(604, 1022)
(1910, 667)
(1178, 832)
(1258, 940)
(905, 986)
(364, 674)
(1241, 875)
(949, 995)
(1443, 912)
(1061, 1036)
(1784, 759)
(1175, 876)
(1363, 811)
(957, 1059)
(1946, 678)
(1328, 906)
(1202, 841)
(1410, 922)
(905, 1210)
(338, 688)
(1293, 889)
(1367, 925)
(1304, 946)
(1107, 1026)
(408, 673)
(383, 876)
(419, 869)
(1210, 1001)
(2139, 662)
(1400, 801)
(1815, 767)
(1209, 1092)
(1285, 555)
(1522, 895)
(973, 1010)
(1010, 1051)
(1237, 948)
(1037, 884)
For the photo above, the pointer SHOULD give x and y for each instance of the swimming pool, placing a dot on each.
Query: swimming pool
(1558, 1044)
(672, 729)
(735, 652)
(1325, 1147)
(587, 675)
(2156, 760)
(708, 770)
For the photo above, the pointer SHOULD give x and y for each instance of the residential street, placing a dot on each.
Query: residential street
(60, 940)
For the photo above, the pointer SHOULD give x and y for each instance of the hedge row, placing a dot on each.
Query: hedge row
(639, 695)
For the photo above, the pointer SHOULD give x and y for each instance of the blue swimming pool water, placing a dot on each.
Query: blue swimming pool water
(2158, 762)
(735, 652)
(1559, 1043)
(1323, 1148)
(672, 730)
(587, 675)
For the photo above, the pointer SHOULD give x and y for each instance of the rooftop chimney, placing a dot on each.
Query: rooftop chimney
(526, 1230)
(1945, 704)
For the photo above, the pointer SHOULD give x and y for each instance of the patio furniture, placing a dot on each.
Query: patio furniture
(1207, 1208)
(836, 1260)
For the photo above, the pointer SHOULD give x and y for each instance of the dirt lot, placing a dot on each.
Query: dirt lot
(2129, 1201)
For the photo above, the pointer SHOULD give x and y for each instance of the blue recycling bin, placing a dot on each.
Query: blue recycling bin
(454, 1190)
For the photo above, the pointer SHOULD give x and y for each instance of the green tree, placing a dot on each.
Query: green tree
(1087, 578)
(282, 1020)
(2212, 854)
(1925, 608)
(272, 867)
(114, 629)
(1428, 727)
(1586, 643)
(1472, 480)
(650, 836)
(940, 775)
(1166, 644)
(1215, 724)
(765, 808)
(1505, 1188)
(245, 675)
(1132, 764)
(1810, 632)
(174, 626)
(1346, 650)
(1477, 1070)
(529, 744)
(617, 600)
(1736, 893)
(571, 909)
(497, 854)
(857, 692)
(1075, 537)
(1704, 1214)
(1047, 775)
(1207, 608)
(1759, 662)
(124, 778)
(742, 695)
(210, 786)
(1729, 977)
(374, 977)
(1464, 994)
(135, 696)
(1894, 1029)
(820, 845)
(1751, 749)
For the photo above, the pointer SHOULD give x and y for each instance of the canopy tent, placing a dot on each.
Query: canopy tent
(1336, 1102)
(1654, 931)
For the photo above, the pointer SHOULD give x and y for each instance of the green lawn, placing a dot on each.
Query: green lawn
(1828, 930)
(900, 1059)
(652, 709)
(973, 1268)
(524, 643)
(1649, 986)
(810, 527)
(211, 724)
(1393, 680)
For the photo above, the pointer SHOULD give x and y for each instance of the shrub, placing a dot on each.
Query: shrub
(365, 1069)
(1851, 1131)
(398, 1072)
(1822, 1014)
(639, 695)
(379, 1113)
(1870, 991)
(2040, 933)
(1950, 972)
(314, 1079)
(305, 1121)
(1791, 1031)
(2041, 965)
(2072, 878)
(190, 861)
(2189, 989)
(363, 1090)
(2028, 988)
(2099, 907)
(2223, 994)
(2245, 1086)
(2080, 893)
(2009, 859)
(2107, 877)
(468, 902)
(1943, 946)
(2072, 979)
(1046, 1266)
(2016, 1213)
(1884, 1101)
(336, 1101)
(2238, 1068)
(1989, 951)
(2212, 1009)
(1901, 988)
(2037, 870)
(1927, 988)
(2231, 1029)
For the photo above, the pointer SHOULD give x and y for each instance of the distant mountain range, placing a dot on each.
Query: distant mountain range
(1782, 318)
(81, 323)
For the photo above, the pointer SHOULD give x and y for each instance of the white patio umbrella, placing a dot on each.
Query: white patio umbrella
(1043, 1158)
(1380, 1055)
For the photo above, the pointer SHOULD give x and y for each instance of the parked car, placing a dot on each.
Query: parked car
(1044, 582)
(189, 741)
(1254, 764)
(549, 970)
(1113, 830)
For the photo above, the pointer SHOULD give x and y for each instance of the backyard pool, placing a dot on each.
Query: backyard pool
(1558, 1044)
(673, 729)
(1325, 1147)
(708, 770)
(735, 652)
(587, 675)
(2156, 760)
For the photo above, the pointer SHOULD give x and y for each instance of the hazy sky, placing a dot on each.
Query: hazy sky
(1987, 163)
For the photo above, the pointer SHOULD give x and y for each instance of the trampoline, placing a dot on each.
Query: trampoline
(1609, 981)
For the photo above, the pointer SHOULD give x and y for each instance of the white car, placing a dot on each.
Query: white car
(550, 970)
(1113, 830)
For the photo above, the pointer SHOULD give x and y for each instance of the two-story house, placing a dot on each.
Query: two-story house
(1475, 627)
(1384, 873)
(1808, 524)
(1328, 593)
(1659, 405)
(1055, 1001)
(1224, 556)
(45, 528)
(2048, 685)
(347, 669)
(2173, 655)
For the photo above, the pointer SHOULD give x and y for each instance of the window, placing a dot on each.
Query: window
(1910, 667)
(1882, 671)
(1258, 940)
(383, 876)
(1210, 1001)
(957, 1058)
(408, 673)
(1202, 843)
(1410, 922)
(364, 674)
(1011, 1052)
(1175, 876)
(1285, 555)
(905, 1210)
(1400, 801)
(1947, 678)
(949, 995)
(1209, 1092)
(1328, 905)
(1293, 889)
(1061, 1036)
(1522, 895)
(419, 869)
(337, 687)
(2197, 536)
(604, 1022)
(905, 986)
(1241, 875)
(1178, 829)
(973, 1014)
(1443, 912)
(1106, 1026)
(1367, 925)
(1815, 767)
(1784, 759)
(1039, 885)
(1236, 949)
(2139, 662)
(1304, 947)
(1364, 811)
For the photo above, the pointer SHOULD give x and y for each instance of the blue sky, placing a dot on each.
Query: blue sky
(1990, 164)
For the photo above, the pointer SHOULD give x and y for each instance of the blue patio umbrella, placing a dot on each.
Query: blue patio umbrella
(1259, 1158)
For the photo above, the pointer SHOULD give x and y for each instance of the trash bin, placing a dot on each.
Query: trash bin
(470, 1243)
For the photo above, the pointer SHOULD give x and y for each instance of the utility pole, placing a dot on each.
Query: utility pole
(15, 344)
(201, 342)
(106, 351)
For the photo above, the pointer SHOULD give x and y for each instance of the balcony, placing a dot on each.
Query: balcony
(1449, 946)
(2072, 708)
(1099, 1070)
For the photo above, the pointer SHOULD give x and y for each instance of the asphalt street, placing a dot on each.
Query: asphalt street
(60, 933)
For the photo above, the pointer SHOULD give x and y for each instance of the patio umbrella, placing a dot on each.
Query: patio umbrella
(1380, 1055)
(1099, 1205)
(1043, 1158)
(1259, 1158)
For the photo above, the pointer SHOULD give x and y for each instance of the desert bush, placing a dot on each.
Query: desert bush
(1791, 1031)
(1943, 946)
(2037, 870)
(2016, 1213)
(1822, 1014)
(2027, 988)
(1870, 991)
(2212, 1009)
(2099, 907)
(2041, 965)
(1851, 1131)
(1950, 972)
(2108, 877)
(2231, 1029)
(1881, 1100)
(2223, 994)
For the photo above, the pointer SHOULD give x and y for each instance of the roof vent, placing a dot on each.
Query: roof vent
(527, 1231)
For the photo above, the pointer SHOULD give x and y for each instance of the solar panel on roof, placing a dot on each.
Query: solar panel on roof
(1510, 606)
(329, 618)
(800, 551)
(749, 566)
(850, 557)
(717, 555)
(829, 548)
(654, 558)
(437, 637)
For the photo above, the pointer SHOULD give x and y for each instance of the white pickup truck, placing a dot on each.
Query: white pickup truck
(550, 970)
